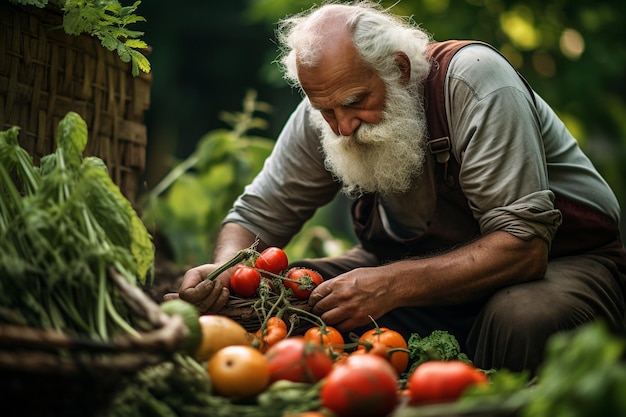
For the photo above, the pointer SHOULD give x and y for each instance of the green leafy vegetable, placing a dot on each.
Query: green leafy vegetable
(106, 20)
(584, 374)
(62, 225)
(440, 345)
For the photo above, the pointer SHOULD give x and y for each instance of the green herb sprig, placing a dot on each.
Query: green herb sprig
(106, 20)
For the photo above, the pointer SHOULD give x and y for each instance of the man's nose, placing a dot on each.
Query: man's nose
(347, 123)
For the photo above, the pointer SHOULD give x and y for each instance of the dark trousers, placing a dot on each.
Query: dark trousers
(511, 328)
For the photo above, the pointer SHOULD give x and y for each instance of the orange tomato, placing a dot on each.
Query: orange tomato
(274, 330)
(238, 371)
(375, 348)
(326, 336)
(392, 340)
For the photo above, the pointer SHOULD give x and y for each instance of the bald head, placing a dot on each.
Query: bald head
(334, 57)
(334, 35)
(340, 31)
(322, 34)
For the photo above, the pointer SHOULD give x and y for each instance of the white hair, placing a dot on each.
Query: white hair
(376, 32)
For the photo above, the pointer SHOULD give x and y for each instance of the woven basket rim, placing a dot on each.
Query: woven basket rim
(31, 350)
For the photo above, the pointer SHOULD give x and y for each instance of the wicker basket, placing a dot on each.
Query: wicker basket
(46, 372)
(248, 313)
(44, 73)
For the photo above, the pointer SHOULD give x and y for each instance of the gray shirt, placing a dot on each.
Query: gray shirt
(514, 156)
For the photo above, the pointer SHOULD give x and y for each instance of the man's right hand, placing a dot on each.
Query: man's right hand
(209, 296)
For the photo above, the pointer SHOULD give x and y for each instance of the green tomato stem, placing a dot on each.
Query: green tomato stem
(240, 256)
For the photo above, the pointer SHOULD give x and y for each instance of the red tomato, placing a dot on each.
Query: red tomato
(392, 339)
(272, 260)
(361, 385)
(308, 414)
(297, 360)
(326, 336)
(440, 381)
(274, 331)
(245, 281)
(302, 281)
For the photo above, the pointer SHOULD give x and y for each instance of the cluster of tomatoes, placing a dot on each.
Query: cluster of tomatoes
(360, 377)
(355, 377)
(362, 382)
(271, 265)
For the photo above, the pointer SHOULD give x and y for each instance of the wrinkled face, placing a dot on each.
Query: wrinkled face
(346, 92)
(372, 133)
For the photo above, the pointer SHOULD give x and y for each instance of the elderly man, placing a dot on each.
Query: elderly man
(476, 211)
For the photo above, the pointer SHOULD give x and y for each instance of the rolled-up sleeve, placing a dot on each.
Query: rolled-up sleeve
(530, 216)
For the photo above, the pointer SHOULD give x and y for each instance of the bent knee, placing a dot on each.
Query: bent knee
(527, 311)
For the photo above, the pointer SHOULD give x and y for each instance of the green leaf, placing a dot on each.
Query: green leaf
(135, 44)
(116, 215)
(141, 61)
(80, 18)
(109, 42)
(583, 374)
(72, 137)
(37, 3)
(124, 52)
(107, 20)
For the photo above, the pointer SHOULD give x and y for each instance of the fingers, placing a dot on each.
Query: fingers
(171, 296)
(338, 308)
(213, 293)
(321, 291)
(321, 303)
(209, 296)
(221, 301)
(345, 320)
(195, 276)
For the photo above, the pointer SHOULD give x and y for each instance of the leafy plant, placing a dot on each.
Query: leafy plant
(63, 224)
(106, 20)
(584, 374)
(187, 206)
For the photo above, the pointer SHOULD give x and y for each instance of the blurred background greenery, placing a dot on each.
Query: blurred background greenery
(209, 58)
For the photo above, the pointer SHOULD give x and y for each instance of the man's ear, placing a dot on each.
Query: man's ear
(404, 65)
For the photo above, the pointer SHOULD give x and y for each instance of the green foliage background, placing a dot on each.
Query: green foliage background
(206, 56)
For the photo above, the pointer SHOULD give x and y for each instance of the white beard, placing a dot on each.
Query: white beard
(387, 157)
